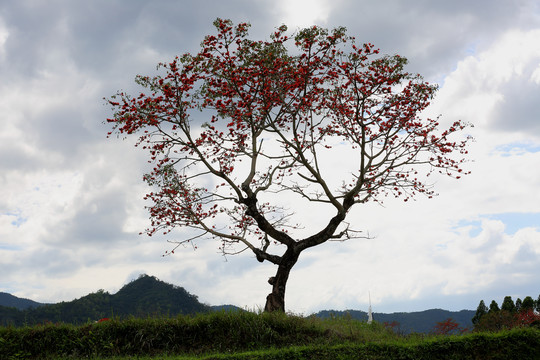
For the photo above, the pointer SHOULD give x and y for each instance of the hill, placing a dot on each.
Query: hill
(420, 322)
(148, 296)
(9, 300)
(145, 296)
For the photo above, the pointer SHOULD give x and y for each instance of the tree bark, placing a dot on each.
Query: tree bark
(275, 301)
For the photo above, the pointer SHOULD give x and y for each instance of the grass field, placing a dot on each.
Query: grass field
(246, 335)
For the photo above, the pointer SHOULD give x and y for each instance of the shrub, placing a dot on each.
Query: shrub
(448, 327)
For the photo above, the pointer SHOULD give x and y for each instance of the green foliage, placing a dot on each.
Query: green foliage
(522, 344)
(11, 301)
(246, 335)
(508, 304)
(528, 303)
(511, 315)
(519, 305)
(206, 333)
(496, 321)
(493, 307)
(148, 296)
(406, 323)
(481, 310)
(142, 297)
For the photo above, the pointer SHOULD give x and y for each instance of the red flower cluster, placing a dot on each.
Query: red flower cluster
(449, 327)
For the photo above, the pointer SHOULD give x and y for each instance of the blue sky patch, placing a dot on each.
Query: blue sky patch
(476, 226)
(18, 221)
(515, 221)
(517, 148)
(9, 247)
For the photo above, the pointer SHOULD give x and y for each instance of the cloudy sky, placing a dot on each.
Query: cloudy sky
(71, 200)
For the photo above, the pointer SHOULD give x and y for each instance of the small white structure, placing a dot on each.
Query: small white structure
(369, 314)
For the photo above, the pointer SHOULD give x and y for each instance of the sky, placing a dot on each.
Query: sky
(71, 200)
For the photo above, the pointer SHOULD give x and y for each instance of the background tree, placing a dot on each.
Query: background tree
(481, 310)
(537, 304)
(496, 321)
(493, 307)
(241, 121)
(508, 304)
(527, 304)
(519, 305)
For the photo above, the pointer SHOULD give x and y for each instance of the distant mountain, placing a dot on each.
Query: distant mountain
(420, 322)
(9, 300)
(146, 296)
(225, 308)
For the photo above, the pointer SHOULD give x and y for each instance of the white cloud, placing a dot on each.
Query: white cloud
(489, 259)
(497, 87)
(4, 34)
(305, 13)
(535, 76)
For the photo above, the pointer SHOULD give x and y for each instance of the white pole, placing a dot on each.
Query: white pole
(370, 314)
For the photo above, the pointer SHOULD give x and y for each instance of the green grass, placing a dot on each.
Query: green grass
(246, 335)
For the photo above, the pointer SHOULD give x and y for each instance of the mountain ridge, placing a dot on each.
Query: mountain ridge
(407, 322)
(9, 300)
(149, 296)
(143, 297)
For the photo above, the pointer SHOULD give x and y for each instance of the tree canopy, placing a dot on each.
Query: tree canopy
(508, 304)
(481, 310)
(242, 120)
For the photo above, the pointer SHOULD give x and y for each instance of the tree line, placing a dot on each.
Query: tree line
(510, 314)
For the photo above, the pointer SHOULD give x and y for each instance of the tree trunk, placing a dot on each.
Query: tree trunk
(275, 301)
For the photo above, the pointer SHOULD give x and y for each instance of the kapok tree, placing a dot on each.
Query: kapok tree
(244, 130)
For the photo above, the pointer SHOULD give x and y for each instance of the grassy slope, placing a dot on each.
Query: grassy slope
(253, 336)
(515, 344)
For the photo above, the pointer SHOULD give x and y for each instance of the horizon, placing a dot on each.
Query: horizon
(254, 310)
